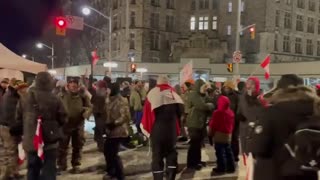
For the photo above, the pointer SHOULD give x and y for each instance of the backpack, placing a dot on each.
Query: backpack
(303, 145)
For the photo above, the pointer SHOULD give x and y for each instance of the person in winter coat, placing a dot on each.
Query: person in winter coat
(98, 101)
(136, 103)
(162, 112)
(291, 104)
(221, 128)
(15, 91)
(4, 86)
(187, 88)
(229, 91)
(78, 108)
(196, 123)
(249, 111)
(52, 111)
(116, 123)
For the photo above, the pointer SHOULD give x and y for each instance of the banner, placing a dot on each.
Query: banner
(186, 73)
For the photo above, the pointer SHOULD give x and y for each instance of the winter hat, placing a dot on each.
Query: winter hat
(5, 80)
(229, 84)
(241, 85)
(20, 84)
(108, 80)
(44, 81)
(163, 80)
(101, 84)
(74, 79)
(257, 84)
(115, 89)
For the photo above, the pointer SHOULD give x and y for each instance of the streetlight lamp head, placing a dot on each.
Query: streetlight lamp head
(24, 55)
(86, 11)
(39, 45)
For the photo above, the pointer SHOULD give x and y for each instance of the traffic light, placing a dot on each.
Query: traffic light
(253, 32)
(230, 67)
(133, 68)
(61, 25)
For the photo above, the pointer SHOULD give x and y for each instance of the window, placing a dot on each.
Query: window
(318, 48)
(310, 25)
(300, 4)
(203, 4)
(133, 1)
(193, 5)
(132, 41)
(298, 46)
(155, 3)
(230, 7)
(169, 23)
(170, 4)
(277, 18)
(276, 42)
(115, 22)
(214, 23)
(287, 20)
(133, 19)
(155, 20)
(318, 26)
(299, 23)
(286, 44)
(242, 6)
(312, 5)
(155, 39)
(309, 47)
(215, 4)
(204, 23)
(115, 4)
(229, 30)
(193, 23)
(288, 2)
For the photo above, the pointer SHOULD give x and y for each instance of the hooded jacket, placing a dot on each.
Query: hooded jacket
(249, 112)
(290, 107)
(198, 109)
(50, 106)
(8, 107)
(222, 121)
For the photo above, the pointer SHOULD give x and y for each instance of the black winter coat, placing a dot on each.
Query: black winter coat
(290, 107)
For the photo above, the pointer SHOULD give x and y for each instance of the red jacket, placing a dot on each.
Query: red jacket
(222, 119)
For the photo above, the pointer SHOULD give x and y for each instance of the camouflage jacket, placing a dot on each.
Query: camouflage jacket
(118, 117)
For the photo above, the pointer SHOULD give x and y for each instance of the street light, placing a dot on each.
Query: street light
(41, 45)
(86, 10)
(24, 55)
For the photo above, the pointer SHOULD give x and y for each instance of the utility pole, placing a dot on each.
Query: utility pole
(127, 37)
(238, 30)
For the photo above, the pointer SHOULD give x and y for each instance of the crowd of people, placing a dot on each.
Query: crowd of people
(279, 129)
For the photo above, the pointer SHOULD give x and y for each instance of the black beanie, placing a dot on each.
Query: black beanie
(115, 89)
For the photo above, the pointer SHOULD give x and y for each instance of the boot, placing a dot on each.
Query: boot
(171, 174)
(158, 176)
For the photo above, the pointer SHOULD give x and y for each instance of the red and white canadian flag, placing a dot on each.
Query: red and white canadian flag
(38, 139)
(95, 57)
(266, 66)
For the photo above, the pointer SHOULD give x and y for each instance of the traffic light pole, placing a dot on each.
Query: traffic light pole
(236, 72)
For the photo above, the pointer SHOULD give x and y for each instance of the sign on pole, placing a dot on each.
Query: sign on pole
(75, 22)
(186, 73)
(237, 56)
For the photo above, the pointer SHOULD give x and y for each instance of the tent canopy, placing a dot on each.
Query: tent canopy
(10, 60)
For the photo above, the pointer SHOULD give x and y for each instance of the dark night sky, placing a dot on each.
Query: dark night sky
(25, 21)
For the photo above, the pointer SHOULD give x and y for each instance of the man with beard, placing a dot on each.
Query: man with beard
(229, 91)
(162, 112)
(78, 108)
(290, 106)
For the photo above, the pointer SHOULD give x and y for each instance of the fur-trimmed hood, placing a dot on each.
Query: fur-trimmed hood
(297, 94)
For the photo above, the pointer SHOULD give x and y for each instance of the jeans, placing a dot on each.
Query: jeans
(40, 170)
(194, 151)
(138, 118)
(113, 161)
(225, 159)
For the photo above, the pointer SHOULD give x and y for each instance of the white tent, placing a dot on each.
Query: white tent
(10, 60)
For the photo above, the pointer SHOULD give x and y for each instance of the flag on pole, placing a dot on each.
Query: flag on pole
(266, 66)
(95, 57)
(38, 139)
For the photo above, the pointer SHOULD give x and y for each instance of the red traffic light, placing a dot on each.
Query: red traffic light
(61, 22)
(133, 68)
(252, 29)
